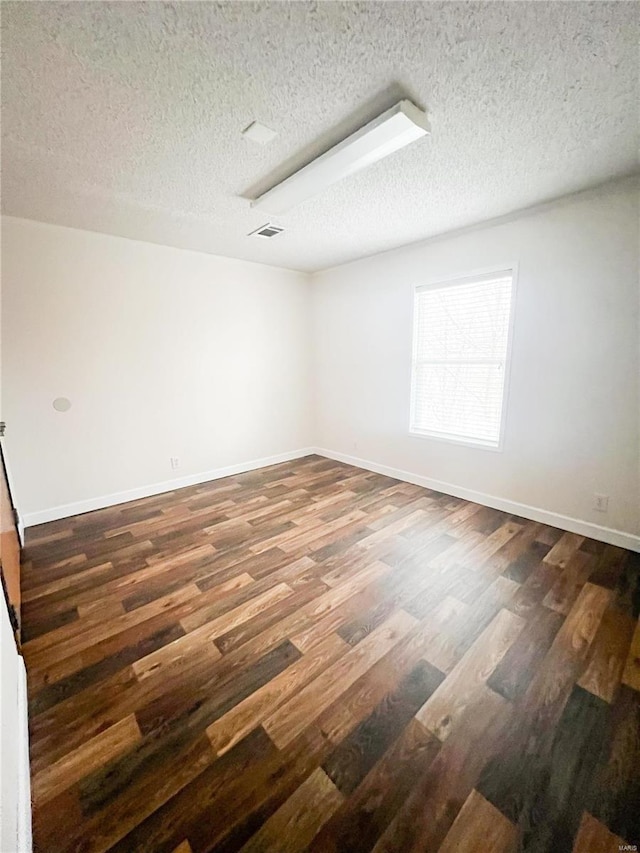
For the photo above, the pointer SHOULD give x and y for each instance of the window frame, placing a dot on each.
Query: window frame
(452, 281)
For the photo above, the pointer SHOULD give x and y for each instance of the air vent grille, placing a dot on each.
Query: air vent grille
(267, 231)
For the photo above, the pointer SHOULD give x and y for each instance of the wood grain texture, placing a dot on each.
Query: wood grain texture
(95, 753)
(252, 711)
(631, 674)
(316, 657)
(479, 826)
(426, 816)
(594, 837)
(615, 789)
(295, 715)
(564, 549)
(513, 674)
(299, 819)
(571, 580)
(442, 710)
(611, 648)
(358, 751)
(579, 740)
(365, 815)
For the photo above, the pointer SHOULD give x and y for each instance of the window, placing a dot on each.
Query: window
(460, 346)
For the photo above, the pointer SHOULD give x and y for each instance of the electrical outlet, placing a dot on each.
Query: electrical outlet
(175, 462)
(601, 502)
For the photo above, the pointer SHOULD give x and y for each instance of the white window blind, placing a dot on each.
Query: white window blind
(461, 340)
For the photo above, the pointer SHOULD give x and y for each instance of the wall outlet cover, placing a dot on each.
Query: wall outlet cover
(601, 502)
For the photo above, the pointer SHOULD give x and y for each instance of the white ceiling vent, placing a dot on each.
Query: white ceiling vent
(267, 231)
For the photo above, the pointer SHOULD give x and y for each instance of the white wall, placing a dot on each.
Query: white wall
(162, 352)
(573, 408)
(165, 352)
(15, 804)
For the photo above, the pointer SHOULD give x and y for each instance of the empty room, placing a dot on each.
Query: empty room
(320, 427)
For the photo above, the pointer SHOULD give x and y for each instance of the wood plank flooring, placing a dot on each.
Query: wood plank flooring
(315, 657)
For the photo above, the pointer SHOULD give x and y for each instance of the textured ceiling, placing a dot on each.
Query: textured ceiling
(126, 117)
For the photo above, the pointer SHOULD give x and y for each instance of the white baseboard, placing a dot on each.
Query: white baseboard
(554, 519)
(30, 519)
(564, 522)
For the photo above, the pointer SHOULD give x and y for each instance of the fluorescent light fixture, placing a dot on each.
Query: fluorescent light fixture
(395, 128)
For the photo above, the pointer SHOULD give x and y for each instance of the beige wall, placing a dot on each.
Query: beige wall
(573, 411)
(162, 352)
(222, 363)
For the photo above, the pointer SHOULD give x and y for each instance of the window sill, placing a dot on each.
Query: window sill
(450, 439)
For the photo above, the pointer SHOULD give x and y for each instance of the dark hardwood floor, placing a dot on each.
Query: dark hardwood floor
(315, 657)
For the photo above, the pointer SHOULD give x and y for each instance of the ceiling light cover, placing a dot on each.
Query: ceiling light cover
(395, 128)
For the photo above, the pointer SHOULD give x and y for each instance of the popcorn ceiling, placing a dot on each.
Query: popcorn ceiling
(126, 118)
